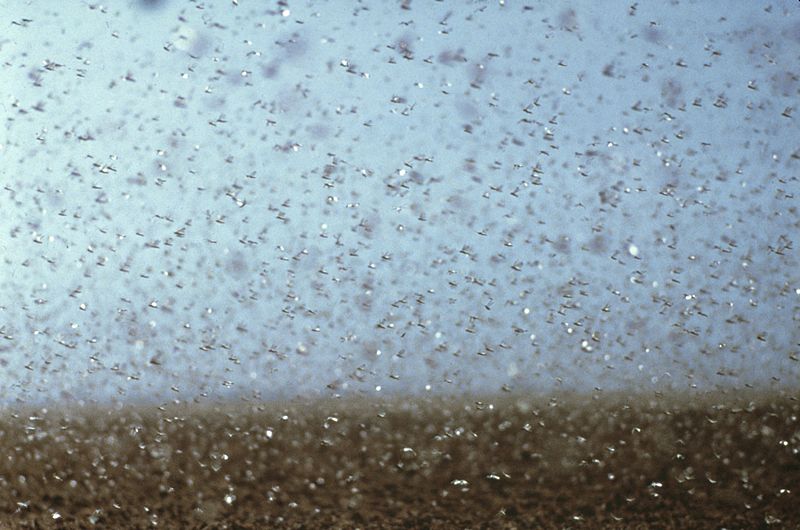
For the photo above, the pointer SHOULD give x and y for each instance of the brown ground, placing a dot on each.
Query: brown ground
(506, 462)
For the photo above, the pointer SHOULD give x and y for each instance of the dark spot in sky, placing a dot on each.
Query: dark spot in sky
(653, 35)
(294, 47)
(671, 91)
(568, 20)
(598, 244)
(151, 4)
(270, 70)
(236, 264)
(449, 57)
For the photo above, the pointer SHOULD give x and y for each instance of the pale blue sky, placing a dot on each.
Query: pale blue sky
(326, 197)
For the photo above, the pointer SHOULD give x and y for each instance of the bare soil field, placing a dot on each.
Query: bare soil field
(512, 461)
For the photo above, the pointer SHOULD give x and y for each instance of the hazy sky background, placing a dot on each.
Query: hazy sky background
(205, 198)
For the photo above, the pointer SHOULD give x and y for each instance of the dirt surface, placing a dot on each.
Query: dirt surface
(644, 461)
